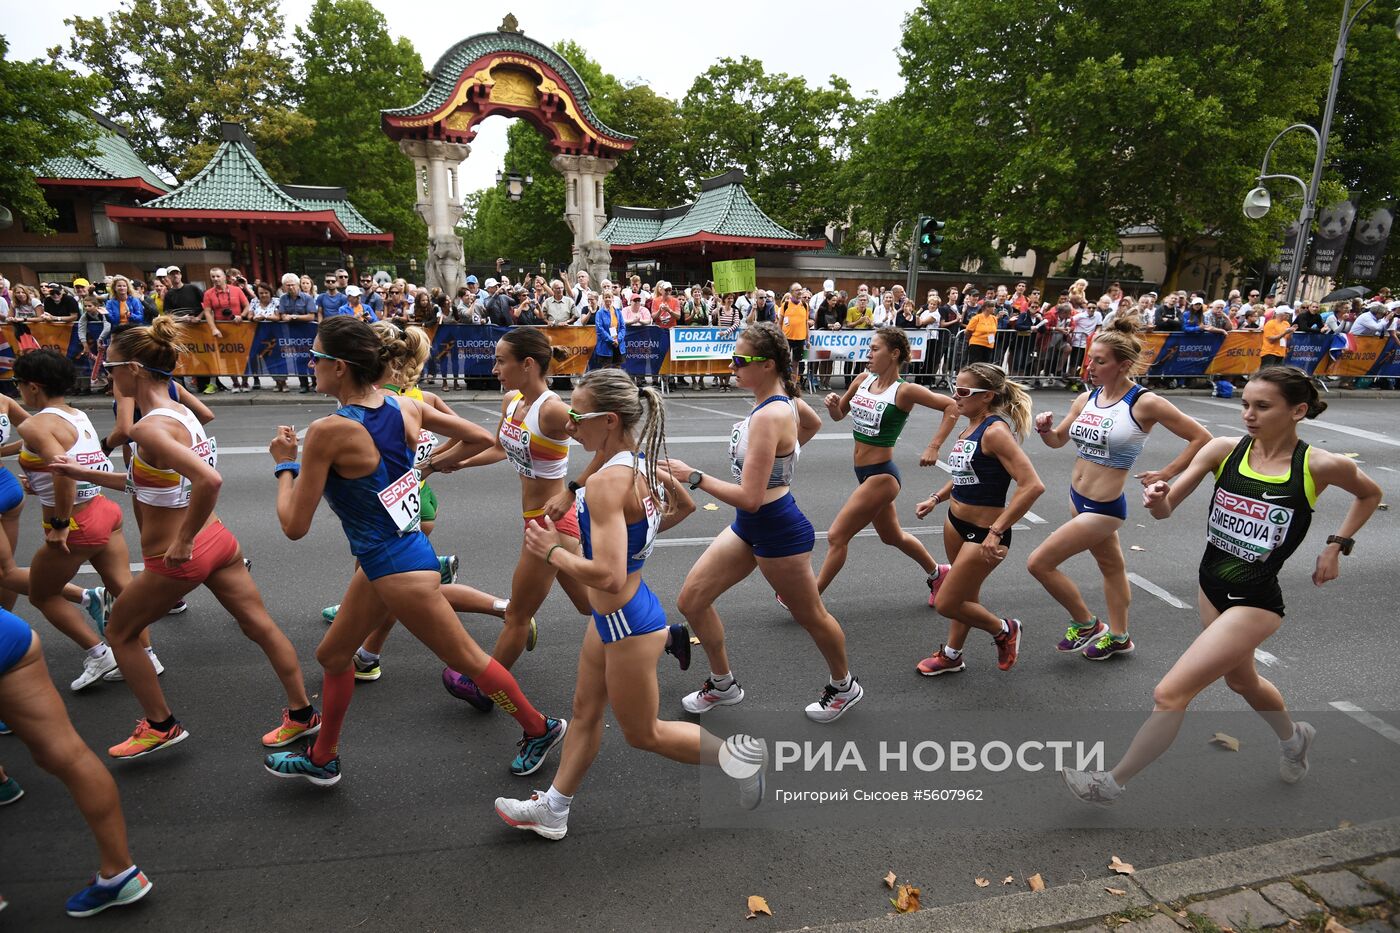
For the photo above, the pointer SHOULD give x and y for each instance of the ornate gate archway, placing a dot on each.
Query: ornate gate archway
(504, 72)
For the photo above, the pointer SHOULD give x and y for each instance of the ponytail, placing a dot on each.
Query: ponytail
(642, 414)
(1009, 399)
(767, 340)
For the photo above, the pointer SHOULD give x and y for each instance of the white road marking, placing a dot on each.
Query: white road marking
(713, 411)
(1157, 591)
(1366, 719)
(821, 535)
(1387, 469)
(1339, 428)
(1267, 659)
(1034, 519)
(690, 439)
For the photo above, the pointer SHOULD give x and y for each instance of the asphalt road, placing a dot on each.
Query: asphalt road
(409, 840)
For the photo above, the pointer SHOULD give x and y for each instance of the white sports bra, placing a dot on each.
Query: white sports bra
(168, 489)
(533, 454)
(784, 467)
(86, 451)
(1109, 436)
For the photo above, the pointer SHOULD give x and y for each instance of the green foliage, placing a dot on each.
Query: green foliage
(176, 68)
(343, 85)
(523, 231)
(42, 115)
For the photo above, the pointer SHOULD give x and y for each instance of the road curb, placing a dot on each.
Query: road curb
(1083, 903)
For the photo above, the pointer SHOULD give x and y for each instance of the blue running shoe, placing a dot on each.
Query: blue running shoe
(96, 898)
(464, 688)
(678, 644)
(4, 729)
(98, 608)
(300, 765)
(533, 751)
(10, 791)
(447, 569)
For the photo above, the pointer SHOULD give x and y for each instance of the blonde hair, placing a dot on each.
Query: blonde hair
(408, 350)
(1009, 399)
(1121, 336)
(613, 391)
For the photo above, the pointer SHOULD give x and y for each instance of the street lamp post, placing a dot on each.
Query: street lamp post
(1257, 202)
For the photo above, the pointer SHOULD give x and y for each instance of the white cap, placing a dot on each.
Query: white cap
(353, 291)
(492, 283)
(828, 286)
(1197, 301)
(1282, 309)
(162, 272)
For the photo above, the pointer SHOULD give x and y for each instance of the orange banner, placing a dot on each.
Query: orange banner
(1238, 355)
(578, 342)
(1356, 362)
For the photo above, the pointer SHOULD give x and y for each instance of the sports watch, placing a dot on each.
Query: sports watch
(1346, 544)
(574, 487)
(695, 479)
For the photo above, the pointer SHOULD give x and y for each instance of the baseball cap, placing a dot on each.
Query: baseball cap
(1197, 301)
(170, 269)
(162, 272)
(828, 286)
(353, 291)
(492, 283)
(1281, 309)
(83, 282)
(471, 280)
(47, 286)
(636, 297)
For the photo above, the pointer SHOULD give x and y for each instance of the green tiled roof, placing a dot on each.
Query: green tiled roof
(234, 180)
(113, 160)
(455, 60)
(724, 208)
(350, 218)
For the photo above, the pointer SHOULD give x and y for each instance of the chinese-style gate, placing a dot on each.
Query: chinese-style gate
(504, 72)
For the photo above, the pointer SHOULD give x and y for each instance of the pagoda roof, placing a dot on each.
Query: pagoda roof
(111, 164)
(723, 213)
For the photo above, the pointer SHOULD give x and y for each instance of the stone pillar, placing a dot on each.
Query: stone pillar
(435, 175)
(583, 211)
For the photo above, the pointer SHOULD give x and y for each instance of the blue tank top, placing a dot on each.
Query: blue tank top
(641, 534)
(358, 503)
(978, 477)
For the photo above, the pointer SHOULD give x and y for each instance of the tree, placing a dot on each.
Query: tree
(653, 174)
(341, 88)
(196, 63)
(44, 109)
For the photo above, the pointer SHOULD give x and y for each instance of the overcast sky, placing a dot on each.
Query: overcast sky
(664, 45)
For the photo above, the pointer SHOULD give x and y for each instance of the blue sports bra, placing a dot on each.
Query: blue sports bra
(978, 477)
(641, 534)
(384, 505)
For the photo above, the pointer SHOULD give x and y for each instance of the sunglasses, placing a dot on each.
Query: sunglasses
(965, 392)
(109, 365)
(576, 417)
(741, 360)
(318, 355)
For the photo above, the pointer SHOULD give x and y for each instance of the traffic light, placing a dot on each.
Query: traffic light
(929, 238)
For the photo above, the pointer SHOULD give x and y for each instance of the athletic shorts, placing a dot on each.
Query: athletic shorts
(778, 529)
(11, 492)
(15, 638)
(428, 504)
(215, 548)
(399, 555)
(567, 526)
(864, 473)
(95, 522)
(1114, 508)
(641, 615)
(975, 534)
(1222, 595)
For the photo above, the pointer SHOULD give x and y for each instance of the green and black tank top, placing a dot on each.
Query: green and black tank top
(875, 418)
(1256, 522)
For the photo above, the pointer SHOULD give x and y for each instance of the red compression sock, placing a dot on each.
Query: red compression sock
(336, 691)
(498, 684)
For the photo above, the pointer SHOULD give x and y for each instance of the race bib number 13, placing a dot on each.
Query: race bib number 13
(400, 499)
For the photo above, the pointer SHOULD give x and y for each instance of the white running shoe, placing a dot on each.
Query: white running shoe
(1096, 787)
(178, 608)
(709, 696)
(533, 814)
(1293, 768)
(115, 673)
(94, 668)
(833, 703)
(745, 758)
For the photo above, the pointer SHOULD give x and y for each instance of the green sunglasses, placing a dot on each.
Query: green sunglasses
(318, 355)
(741, 360)
(577, 417)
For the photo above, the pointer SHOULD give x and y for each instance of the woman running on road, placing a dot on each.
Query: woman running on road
(985, 460)
(361, 460)
(1109, 426)
(1266, 486)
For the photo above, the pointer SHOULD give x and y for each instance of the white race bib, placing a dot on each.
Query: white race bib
(866, 414)
(1249, 529)
(400, 499)
(960, 460)
(208, 451)
(1090, 434)
(427, 443)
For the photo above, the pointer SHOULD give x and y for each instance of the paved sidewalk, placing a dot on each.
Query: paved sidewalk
(1341, 880)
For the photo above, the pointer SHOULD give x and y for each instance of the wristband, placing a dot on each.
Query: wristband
(937, 498)
(288, 466)
(550, 553)
(58, 524)
(993, 531)
(574, 487)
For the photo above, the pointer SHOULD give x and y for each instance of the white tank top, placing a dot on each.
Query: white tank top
(533, 454)
(784, 467)
(1109, 435)
(168, 489)
(86, 451)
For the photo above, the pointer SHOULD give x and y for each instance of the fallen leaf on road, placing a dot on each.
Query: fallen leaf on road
(1334, 927)
(1009, 879)
(1136, 548)
(695, 639)
(710, 507)
(981, 882)
(1116, 891)
(906, 899)
(757, 905)
(1345, 824)
(1384, 506)
(1120, 866)
(889, 881)
(1036, 882)
(1225, 741)
(1351, 454)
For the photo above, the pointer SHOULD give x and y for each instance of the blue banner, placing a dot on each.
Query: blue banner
(1388, 363)
(645, 348)
(468, 350)
(1305, 351)
(1186, 354)
(280, 349)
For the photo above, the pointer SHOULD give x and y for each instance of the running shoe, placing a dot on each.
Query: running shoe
(115, 674)
(709, 696)
(935, 585)
(1008, 644)
(367, 670)
(178, 609)
(745, 758)
(329, 613)
(534, 750)
(678, 644)
(290, 730)
(10, 791)
(94, 667)
(533, 814)
(248, 564)
(1096, 787)
(1293, 767)
(300, 765)
(940, 663)
(96, 898)
(1078, 637)
(833, 703)
(533, 638)
(464, 688)
(447, 569)
(1107, 646)
(146, 739)
(5, 730)
(97, 608)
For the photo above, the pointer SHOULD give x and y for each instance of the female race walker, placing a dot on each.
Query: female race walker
(174, 476)
(361, 460)
(1266, 485)
(879, 403)
(985, 459)
(1109, 426)
(769, 530)
(80, 524)
(32, 708)
(626, 503)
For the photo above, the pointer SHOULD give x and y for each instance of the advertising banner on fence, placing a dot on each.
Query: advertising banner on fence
(1238, 354)
(855, 344)
(702, 343)
(1185, 354)
(1360, 357)
(282, 349)
(1305, 351)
